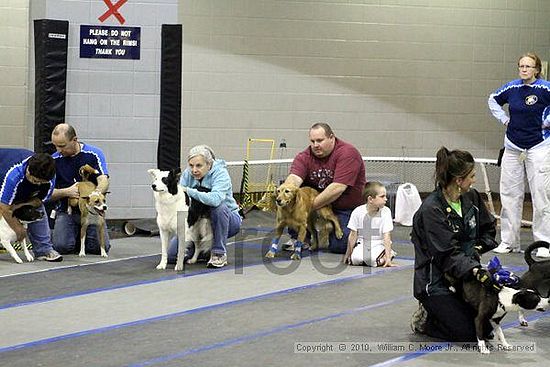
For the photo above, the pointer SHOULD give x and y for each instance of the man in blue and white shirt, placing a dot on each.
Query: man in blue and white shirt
(70, 156)
(28, 178)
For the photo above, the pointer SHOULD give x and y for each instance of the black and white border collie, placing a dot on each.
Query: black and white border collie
(170, 199)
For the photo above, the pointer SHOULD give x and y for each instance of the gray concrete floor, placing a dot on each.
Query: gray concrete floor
(121, 311)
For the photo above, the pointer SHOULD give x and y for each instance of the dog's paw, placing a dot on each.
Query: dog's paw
(296, 256)
(82, 254)
(178, 267)
(523, 323)
(104, 254)
(339, 234)
(18, 260)
(270, 254)
(30, 258)
(161, 265)
(191, 261)
(483, 349)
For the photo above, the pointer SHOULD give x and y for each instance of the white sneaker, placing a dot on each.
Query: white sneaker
(504, 248)
(217, 261)
(543, 252)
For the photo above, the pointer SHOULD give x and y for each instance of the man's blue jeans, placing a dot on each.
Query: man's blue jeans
(66, 235)
(40, 235)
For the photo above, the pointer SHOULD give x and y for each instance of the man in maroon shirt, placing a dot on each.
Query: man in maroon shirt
(336, 169)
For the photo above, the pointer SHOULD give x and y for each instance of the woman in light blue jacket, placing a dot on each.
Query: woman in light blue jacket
(204, 170)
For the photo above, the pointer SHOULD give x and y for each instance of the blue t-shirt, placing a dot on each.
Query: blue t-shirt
(14, 186)
(67, 168)
(529, 105)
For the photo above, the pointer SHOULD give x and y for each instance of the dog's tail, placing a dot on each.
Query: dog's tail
(532, 247)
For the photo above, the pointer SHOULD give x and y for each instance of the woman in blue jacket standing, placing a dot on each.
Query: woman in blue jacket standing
(205, 171)
(526, 153)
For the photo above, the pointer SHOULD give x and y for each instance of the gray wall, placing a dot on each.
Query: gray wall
(13, 71)
(393, 77)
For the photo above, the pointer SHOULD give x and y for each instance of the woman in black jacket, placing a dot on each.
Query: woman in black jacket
(450, 231)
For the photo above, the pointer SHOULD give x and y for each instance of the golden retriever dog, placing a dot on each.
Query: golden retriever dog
(294, 211)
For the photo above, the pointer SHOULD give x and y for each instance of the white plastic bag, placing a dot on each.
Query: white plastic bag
(407, 202)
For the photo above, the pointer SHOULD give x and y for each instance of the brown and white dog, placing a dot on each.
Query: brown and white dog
(294, 211)
(25, 214)
(92, 208)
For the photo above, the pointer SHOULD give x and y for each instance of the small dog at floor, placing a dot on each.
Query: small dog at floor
(92, 208)
(294, 211)
(492, 305)
(199, 227)
(25, 214)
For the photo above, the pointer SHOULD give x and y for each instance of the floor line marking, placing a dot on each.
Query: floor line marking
(202, 309)
(64, 267)
(261, 334)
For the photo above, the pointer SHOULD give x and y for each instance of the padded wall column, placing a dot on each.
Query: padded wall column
(169, 144)
(50, 54)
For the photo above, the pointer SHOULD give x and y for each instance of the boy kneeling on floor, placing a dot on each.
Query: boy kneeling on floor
(370, 225)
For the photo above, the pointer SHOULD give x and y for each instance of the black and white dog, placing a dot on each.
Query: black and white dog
(492, 305)
(25, 214)
(200, 227)
(170, 198)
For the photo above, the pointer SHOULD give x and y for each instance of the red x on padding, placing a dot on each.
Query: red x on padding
(113, 10)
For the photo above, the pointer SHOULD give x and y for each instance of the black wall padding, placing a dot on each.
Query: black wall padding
(50, 54)
(169, 145)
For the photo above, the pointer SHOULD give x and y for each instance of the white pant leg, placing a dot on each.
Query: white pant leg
(367, 253)
(512, 191)
(376, 251)
(360, 254)
(537, 165)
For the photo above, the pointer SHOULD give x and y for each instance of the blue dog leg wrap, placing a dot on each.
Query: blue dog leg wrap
(298, 247)
(274, 245)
